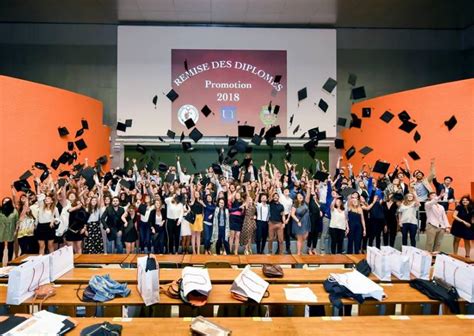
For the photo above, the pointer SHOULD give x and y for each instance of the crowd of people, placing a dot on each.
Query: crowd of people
(231, 207)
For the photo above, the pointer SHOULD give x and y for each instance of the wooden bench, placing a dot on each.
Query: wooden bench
(360, 325)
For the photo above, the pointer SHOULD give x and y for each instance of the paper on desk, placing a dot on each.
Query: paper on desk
(303, 294)
(48, 316)
(31, 327)
(32, 257)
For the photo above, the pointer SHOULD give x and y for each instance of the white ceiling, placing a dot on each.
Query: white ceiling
(423, 14)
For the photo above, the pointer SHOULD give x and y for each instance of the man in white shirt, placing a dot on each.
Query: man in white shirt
(287, 203)
(436, 223)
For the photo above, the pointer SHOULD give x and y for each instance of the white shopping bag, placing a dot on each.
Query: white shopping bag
(399, 264)
(196, 279)
(358, 283)
(457, 274)
(148, 279)
(420, 262)
(249, 284)
(25, 278)
(379, 263)
(60, 262)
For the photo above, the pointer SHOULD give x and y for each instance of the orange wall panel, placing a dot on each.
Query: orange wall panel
(429, 107)
(30, 114)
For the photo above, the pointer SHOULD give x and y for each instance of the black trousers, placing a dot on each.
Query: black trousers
(10, 250)
(337, 240)
(315, 232)
(377, 225)
(28, 245)
(287, 235)
(391, 234)
(172, 235)
(261, 236)
(422, 215)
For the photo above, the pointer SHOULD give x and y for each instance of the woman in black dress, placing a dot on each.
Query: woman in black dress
(390, 208)
(78, 217)
(462, 227)
(130, 232)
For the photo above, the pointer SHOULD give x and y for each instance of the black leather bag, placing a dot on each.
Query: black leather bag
(363, 267)
(102, 329)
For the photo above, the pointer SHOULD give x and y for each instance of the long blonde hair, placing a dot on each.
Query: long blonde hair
(355, 208)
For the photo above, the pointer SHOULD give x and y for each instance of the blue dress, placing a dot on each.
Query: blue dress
(302, 212)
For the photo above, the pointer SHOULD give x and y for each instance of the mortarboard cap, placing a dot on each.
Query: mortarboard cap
(216, 168)
(186, 67)
(232, 152)
(356, 122)
(276, 109)
(302, 94)
(262, 132)
(269, 141)
(161, 139)
(303, 135)
(187, 146)
(79, 132)
(404, 116)
(365, 150)
(297, 128)
(352, 79)
(339, 143)
(358, 93)
(323, 105)
(78, 167)
(162, 167)
(21, 185)
(347, 191)
(64, 173)
(246, 131)
(366, 112)
(64, 158)
(387, 116)
(350, 152)
(232, 141)
(240, 145)
(195, 134)
(41, 165)
(273, 131)
(170, 134)
(140, 149)
(257, 139)
(172, 95)
(102, 160)
(80, 144)
(121, 127)
(407, 126)
(189, 123)
(321, 176)
(310, 145)
(44, 175)
(417, 136)
(313, 133)
(277, 79)
(125, 183)
(155, 100)
(181, 137)
(63, 131)
(128, 122)
(26, 175)
(54, 164)
(321, 135)
(381, 167)
(341, 122)
(414, 155)
(206, 111)
(193, 162)
(329, 85)
(61, 182)
(70, 145)
(291, 119)
(451, 123)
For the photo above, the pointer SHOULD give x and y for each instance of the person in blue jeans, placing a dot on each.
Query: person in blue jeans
(111, 219)
(157, 224)
(407, 218)
(221, 226)
(208, 222)
(356, 227)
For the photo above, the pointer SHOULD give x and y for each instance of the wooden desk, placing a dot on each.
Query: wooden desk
(260, 259)
(464, 259)
(220, 294)
(93, 259)
(217, 275)
(162, 258)
(356, 257)
(359, 325)
(326, 259)
(202, 259)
